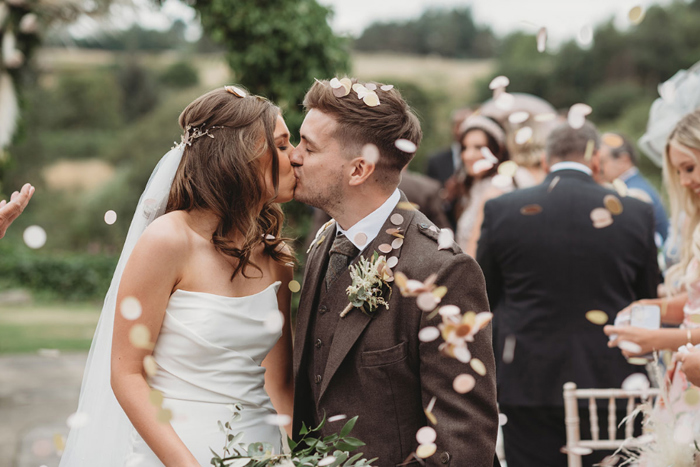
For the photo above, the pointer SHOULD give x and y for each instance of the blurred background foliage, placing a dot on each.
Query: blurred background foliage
(98, 117)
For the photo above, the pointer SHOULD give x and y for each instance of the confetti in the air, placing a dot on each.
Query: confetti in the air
(478, 366)
(428, 334)
(110, 217)
(371, 153)
(636, 15)
(360, 238)
(601, 218)
(164, 416)
(387, 87)
(509, 349)
(554, 182)
(636, 382)
(337, 418)
(274, 322)
(149, 365)
(464, 383)
(426, 435)
(597, 317)
(34, 237)
(613, 204)
(621, 187)
(294, 286)
(499, 82)
(155, 397)
(396, 219)
(590, 147)
(585, 35)
(505, 101)
(278, 419)
(502, 419)
(519, 117)
(426, 450)
(482, 165)
(140, 336)
(406, 146)
(531, 210)
(445, 239)
(131, 308)
(612, 140)
(523, 135)
(542, 39)
(488, 155)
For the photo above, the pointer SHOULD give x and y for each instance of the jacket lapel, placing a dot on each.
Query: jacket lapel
(311, 282)
(350, 328)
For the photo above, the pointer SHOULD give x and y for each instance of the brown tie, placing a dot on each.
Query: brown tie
(341, 255)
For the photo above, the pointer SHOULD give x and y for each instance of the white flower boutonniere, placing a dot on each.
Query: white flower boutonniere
(369, 277)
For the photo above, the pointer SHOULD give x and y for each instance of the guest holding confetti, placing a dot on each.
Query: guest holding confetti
(11, 211)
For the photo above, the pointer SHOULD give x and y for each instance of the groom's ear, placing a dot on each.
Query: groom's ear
(360, 170)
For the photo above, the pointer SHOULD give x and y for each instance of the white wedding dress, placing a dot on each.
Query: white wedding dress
(209, 352)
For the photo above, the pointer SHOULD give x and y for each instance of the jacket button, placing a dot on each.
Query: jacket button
(424, 226)
(319, 343)
(322, 309)
(445, 457)
(318, 379)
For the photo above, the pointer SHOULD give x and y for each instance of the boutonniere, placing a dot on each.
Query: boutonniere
(369, 278)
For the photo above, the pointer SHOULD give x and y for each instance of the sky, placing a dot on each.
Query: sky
(562, 18)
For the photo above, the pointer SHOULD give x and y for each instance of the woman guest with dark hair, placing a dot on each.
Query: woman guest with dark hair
(483, 149)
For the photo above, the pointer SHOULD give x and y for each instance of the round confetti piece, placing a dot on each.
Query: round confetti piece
(576, 121)
(274, 322)
(392, 262)
(164, 415)
(502, 419)
(445, 239)
(358, 87)
(326, 461)
(371, 86)
(155, 397)
(405, 146)
(630, 347)
(450, 310)
(478, 366)
(636, 15)
(505, 101)
(278, 419)
(598, 317)
(428, 334)
(371, 99)
(462, 354)
(499, 82)
(346, 82)
(335, 83)
(396, 219)
(426, 301)
(78, 420)
(440, 292)
(149, 365)
(523, 135)
(636, 382)
(603, 224)
(294, 286)
(371, 153)
(542, 39)
(691, 396)
(426, 450)
(140, 336)
(488, 155)
(360, 238)
(620, 186)
(531, 210)
(387, 87)
(337, 418)
(236, 91)
(385, 248)
(612, 140)
(131, 308)
(341, 91)
(110, 217)
(613, 204)
(582, 109)
(464, 383)
(519, 117)
(426, 435)
(34, 237)
(637, 361)
(482, 165)
(509, 349)
(585, 35)
(508, 168)
(600, 215)
(397, 243)
(408, 206)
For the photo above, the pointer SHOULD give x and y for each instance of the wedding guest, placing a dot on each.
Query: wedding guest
(681, 168)
(473, 184)
(550, 254)
(619, 159)
(11, 211)
(444, 163)
(690, 364)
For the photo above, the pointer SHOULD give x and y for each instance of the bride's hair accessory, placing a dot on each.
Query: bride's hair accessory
(192, 134)
(478, 122)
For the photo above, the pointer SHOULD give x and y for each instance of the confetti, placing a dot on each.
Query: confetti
(396, 219)
(335, 83)
(620, 187)
(509, 349)
(636, 382)
(478, 366)
(131, 308)
(601, 218)
(326, 460)
(531, 210)
(360, 238)
(274, 322)
(508, 169)
(462, 354)
(371, 99)
(387, 87)
(519, 117)
(371, 153)
(426, 435)
(502, 419)
(426, 450)
(392, 262)
(450, 310)
(612, 140)
(294, 286)
(630, 347)
(499, 82)
(164, 416)
(371, 86)
(555, 180)
(463, 383)
(408, 206)
(428, 334)
(395, 232)
(34, 237)
(598, 317)
(341, 91)
(278, 420)
(405, 146)
(155, 397)
(542, 39)
(613, 204)
(385, 248)
(427, 301)
(637, 361)
(488, 155)
(482, 165)
(545, 117)
(59, 442)
(110, 217)
(585, 35)
(505, 101)
(431, 417)
(636, 15)
(692, 396)
(236, 91)
(337, 418)
(140, 336)
(446, 239)
(78, 420)
(523, 135)
(397, 243)
(590, 147)
(440, 292)
(149, 365)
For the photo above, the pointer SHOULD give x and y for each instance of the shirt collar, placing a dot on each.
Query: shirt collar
(570, 165)
(629, 173)
(372, 223)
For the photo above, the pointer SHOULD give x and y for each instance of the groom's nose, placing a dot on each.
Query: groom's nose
(295, 157)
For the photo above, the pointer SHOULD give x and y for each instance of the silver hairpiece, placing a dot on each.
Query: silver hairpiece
(193, 133)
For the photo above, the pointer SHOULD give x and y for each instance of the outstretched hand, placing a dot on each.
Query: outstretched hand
(11, 211)
(643, 340)
(690, 364)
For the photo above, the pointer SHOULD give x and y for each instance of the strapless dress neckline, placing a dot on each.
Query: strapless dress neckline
(274, 284)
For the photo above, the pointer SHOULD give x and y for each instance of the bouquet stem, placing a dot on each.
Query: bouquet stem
(347, 310)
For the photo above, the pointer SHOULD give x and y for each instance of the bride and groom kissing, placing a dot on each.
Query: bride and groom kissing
(191, 325)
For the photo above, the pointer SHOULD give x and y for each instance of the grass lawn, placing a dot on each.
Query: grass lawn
(28, 328)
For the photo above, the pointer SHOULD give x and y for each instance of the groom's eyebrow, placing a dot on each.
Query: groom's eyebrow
(309, 141)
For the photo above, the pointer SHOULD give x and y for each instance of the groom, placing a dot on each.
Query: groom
(375, 366)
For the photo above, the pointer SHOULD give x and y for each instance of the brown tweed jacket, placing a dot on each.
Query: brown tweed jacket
(378, 369)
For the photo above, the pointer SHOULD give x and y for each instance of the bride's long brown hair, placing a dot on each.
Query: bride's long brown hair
(221, 172)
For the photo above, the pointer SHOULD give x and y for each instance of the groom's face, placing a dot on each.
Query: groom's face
(319, 163)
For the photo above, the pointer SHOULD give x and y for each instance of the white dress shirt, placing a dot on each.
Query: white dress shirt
(570, 165)
(372, 223)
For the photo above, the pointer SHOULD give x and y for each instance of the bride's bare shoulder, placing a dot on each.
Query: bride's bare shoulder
(170, 232)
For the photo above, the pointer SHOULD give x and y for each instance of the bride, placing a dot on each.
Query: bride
(197, 315)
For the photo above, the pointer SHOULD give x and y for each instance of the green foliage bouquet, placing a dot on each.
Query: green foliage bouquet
(311, 451)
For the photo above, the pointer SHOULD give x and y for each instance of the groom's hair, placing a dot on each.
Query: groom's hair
(359, 124)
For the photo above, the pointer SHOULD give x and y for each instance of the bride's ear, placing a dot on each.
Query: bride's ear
(360, 170)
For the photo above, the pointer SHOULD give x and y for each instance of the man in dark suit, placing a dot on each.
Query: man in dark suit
(550, 254)
(373, 364)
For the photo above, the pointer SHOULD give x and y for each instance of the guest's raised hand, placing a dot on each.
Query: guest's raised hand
(690, 364)
(632, 341)
(10, 211)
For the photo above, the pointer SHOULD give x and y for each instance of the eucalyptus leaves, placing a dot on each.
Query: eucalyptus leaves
(311, 451)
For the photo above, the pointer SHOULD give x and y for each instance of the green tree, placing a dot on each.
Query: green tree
(276, 49)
